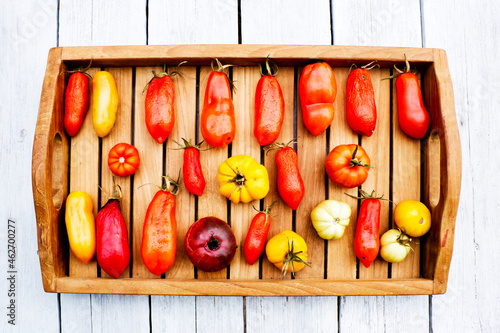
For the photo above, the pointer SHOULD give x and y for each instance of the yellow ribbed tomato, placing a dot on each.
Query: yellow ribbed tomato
(330, 218)
(104, 102)
(241, 178)
(287, 251)
(413, 217)
(80, 224)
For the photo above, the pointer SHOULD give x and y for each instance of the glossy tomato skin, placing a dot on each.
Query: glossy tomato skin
(366, 238)
(317, 91)
(113, 251)
(217, 121)
(210, 244)
(269, 110)
(159, 237)
(159, 108)
(256, 236)
(339, 169)
(290, 185)
(76, 102)
(192, 172)
(361, 111)
(413, 118)
(123, 159)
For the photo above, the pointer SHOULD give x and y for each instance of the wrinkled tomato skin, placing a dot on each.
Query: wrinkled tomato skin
(192, 172)
(361, 111)
(269, 110)
(413, 118)
(366, 238)
(159, 108)
(290, 184)
(76, 102)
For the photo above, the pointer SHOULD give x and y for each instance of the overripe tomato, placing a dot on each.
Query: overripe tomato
(361, 111)
(287, 251)
(210, 244)
(123, 159)
(217, 122)
(257, 235)
(317, 91)
(348, 165)
(76, 102)
(413, 217)
(394, 246)
(80, 224)
(413, 118)
(269, 105)
(330, 218)
(104, 102)
(241, 178)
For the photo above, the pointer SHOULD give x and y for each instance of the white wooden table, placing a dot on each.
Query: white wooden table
(466, 30)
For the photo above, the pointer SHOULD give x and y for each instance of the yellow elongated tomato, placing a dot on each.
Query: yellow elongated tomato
(241, 178)
(394, 246)
(413, 217)
(104, 102)
(287, 251)
(80, 224)
(330, 218)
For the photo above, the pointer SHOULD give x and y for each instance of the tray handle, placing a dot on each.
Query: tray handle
(49, 173)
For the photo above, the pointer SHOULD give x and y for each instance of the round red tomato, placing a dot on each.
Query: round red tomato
(123, 159)
(348, 165)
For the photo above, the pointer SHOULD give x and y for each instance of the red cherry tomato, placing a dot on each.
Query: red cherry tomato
(123, 159)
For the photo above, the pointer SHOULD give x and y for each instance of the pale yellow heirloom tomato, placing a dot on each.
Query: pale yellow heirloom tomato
(241, 178)
(413, 217)
(330, 218)
(287, 251)
(104, 102)
(394, 246)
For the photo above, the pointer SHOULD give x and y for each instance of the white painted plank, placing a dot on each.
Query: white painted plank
(29, 29)
(120, 313)
(76, 313)
(193, 22)
(362, 314)
(219, 314)
(291, 314)
(173, 314)
(380, 23)
(472, 302)
(285, 22)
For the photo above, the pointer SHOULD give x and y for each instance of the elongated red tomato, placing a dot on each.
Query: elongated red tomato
(113, 251)
(269, 106)
(366, 238)
(159, 236)
(413, 118)
(160, 113)
(290, 185)
(217, 121)
(317, 91)
(257, 235)
(76, 102)
(191, 168)
(361, 111)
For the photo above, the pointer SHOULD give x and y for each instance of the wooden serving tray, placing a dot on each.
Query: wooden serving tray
(428, 170)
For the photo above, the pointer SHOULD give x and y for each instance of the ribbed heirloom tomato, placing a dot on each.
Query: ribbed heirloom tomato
(348, 165)
(123, 159)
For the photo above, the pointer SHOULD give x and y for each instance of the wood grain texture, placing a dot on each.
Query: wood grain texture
(222, 314)
(173, 314)
(211, 203)
(185, 127)
(282, 214)
(120, 313)
(150, 171)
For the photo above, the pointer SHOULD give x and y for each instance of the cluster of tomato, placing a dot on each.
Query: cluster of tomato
(210, 243)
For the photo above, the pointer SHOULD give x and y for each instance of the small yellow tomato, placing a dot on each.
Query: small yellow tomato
(80, 224)
(287, 251)
(394, 246)
(330, 218)
(104, 102)
(413, 217)
(241, 178)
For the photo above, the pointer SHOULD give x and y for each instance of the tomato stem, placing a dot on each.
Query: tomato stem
(280, 145)
(271, 68)
(355, 162)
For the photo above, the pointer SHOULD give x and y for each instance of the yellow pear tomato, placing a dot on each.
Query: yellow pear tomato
(287, 251)
(413, 217)
(330, 218)
(241, 178)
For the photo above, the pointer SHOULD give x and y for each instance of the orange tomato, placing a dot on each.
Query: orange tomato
(348, 165)
(123, 159)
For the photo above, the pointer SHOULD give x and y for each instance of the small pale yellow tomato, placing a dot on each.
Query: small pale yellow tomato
(80, 224)
(241, 178)
(394, 246)
(413, 217)
(330, 218)
(287, 251)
